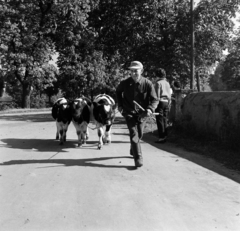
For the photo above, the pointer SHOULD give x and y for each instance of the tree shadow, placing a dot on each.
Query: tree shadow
(88, 162)
(49, 145)
(119, 120)
(120, 134)
(196, 158)
(43, 117)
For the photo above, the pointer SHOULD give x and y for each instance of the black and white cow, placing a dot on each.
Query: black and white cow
(61, 113)
(103, 114)
(80, 109)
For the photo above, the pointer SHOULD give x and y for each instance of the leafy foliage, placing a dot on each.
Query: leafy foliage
(96, 39)
(25, 45)
(231, 71)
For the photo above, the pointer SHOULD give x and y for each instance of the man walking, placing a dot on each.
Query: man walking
(130, 92)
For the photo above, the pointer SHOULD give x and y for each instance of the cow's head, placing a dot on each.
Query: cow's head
(62, 102)
(79, 104)
(104, 113)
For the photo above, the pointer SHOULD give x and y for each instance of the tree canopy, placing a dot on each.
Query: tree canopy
(96, 40)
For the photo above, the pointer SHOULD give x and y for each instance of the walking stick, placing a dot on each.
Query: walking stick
(155, 113)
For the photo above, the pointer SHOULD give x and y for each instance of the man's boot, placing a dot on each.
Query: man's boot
(138, 160)
(131, 151)
(137, 154)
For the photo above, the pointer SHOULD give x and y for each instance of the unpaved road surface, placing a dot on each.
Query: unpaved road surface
(45, 186)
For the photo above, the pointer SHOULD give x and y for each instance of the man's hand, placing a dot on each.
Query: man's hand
(149, 112)
(144, 115)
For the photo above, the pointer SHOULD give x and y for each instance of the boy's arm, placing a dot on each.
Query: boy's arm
(153, 101)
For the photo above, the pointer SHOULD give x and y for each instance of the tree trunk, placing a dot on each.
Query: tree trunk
(26, 93)
(198, 81)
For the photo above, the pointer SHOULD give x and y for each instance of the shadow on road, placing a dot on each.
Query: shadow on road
(120, 134)
(198, 159)
(38, 145)
(48, 145)
(89, 162)
(43, 117)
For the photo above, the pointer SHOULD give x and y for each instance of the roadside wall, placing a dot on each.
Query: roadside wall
(214, 114)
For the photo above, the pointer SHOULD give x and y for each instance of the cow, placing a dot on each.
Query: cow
(80, 110)
(61, 113)
(103, 115)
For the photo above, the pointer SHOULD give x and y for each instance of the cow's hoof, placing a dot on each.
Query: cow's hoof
(79, 145)
(99, 147)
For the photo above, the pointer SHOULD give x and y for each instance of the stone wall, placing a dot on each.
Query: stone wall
(214, 114)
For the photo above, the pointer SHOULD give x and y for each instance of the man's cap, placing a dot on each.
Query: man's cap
(136, 65)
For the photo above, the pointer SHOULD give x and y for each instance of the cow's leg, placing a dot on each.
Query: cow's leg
(65, 135)
(100, 136)
(57, 135)
(82, 138)
(61, 136)
(58, 130)
(65, 128)
(78, 132)
(107, 137)
(79, 138)
(85, 133)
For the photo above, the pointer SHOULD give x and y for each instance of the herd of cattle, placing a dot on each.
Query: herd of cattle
(82, 111)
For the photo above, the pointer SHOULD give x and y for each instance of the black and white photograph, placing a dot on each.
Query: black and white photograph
(119, 115)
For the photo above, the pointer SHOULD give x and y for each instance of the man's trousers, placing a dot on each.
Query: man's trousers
(136, 129)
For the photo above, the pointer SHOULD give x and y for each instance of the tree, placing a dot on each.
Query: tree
(214, 29)
(25, 43)
(216, 82)
(158, 32)
(74, 43)
(93, 38)
(230, 74)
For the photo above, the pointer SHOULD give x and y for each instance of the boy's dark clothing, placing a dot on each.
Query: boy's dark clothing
(161, 119)
(163, 91)
(144, 94)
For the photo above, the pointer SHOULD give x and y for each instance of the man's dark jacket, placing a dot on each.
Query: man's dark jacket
(142, 92)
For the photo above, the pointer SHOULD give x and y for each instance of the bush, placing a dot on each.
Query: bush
(7, 105)
(38, 101)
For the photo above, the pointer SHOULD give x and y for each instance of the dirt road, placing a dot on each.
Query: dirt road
(45, 186)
